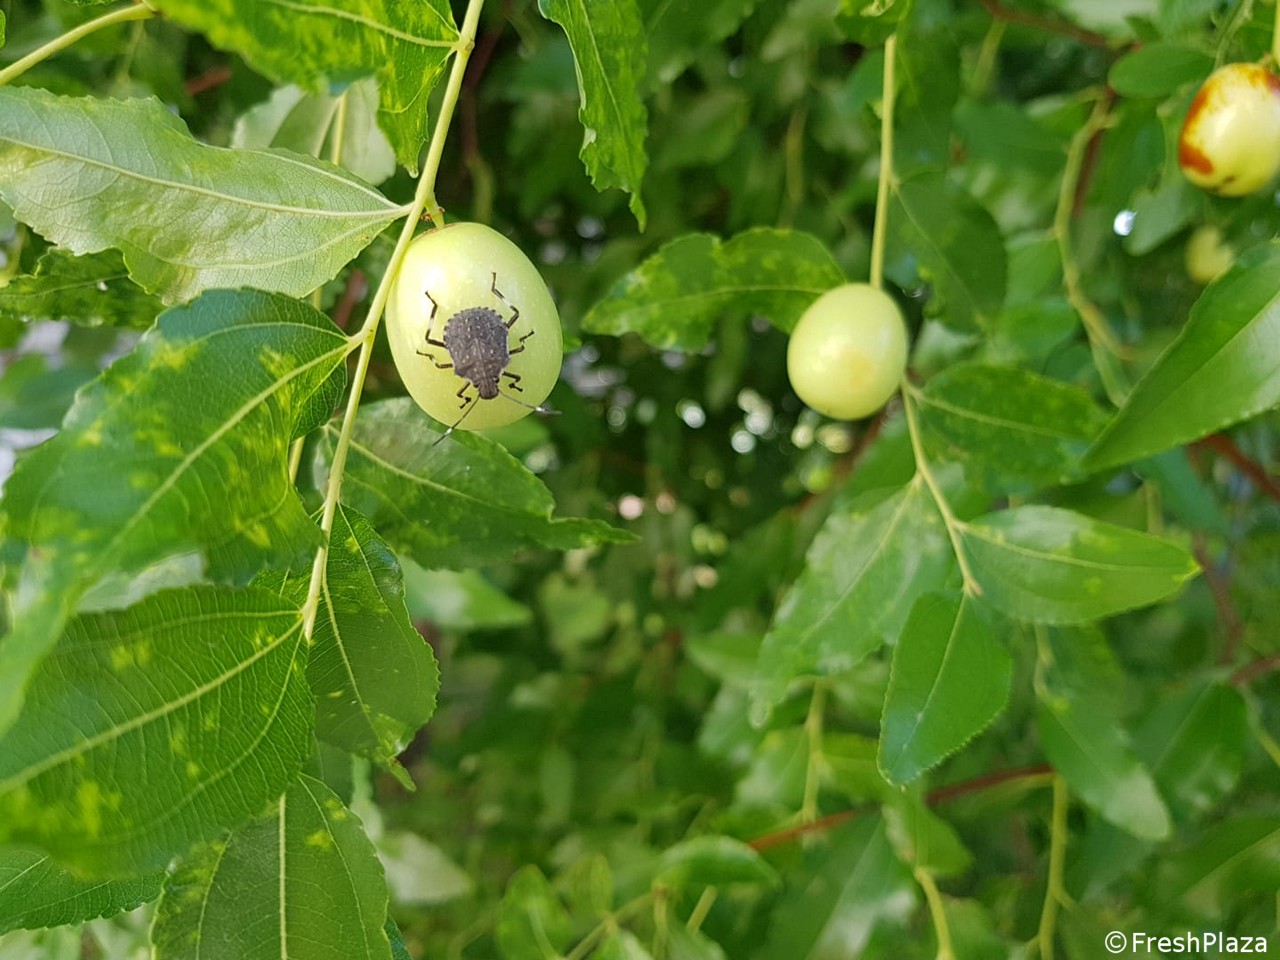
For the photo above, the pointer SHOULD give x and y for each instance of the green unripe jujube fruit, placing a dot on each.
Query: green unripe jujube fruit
(848, 352)
(459, 266)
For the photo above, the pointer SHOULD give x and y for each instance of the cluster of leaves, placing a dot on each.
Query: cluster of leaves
(943, 682)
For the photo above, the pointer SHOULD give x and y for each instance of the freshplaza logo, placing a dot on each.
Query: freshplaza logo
(1210, 941)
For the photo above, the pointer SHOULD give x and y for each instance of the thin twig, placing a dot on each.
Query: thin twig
(138, 11)
(352, 294)
(471, 83)
(1224, 446)
(1252, 671)
(208, 80)
(935, 797)
(1063, 28)
(1219, 587)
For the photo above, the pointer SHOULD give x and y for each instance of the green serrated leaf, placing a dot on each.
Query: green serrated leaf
(1049, 565)
(622, 945)
(303, 882)
(609, 54)
(1159, 69)
(675, 297)
(975, 933)
(1223, 368)
(834, 905)
(1230, 859)
(956, 244)
(89, 290)
(1022, 430)
(419, 872)
(1184, 493)
(530, 916)
(460, 600)
(209, 678)
(464, 502)
(187, 217)
(294, 119)
(1084, 741)
(686, 944)
(998, 132)
(1162, 211)
(34, 396)
(314, 44)
(399, 950)
(180, 447)
(374, 678)
(713, 861)
(870, 22)
(37, 892)
(678, 31)
(929, 85)
(1194, 743)
(950, 679)
(922, 839)
(863, 573)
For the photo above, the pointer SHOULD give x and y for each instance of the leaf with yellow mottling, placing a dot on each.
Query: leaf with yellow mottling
(112, 766)
(303, 882)
(1049, 565)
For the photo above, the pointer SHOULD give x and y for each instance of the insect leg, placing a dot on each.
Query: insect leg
(514, 378)
(515, 311)
(431, 319)
(465, 400)
(520, 343)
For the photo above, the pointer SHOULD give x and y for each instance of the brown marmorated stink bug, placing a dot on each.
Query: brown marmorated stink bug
(473, 328)
(477, 340)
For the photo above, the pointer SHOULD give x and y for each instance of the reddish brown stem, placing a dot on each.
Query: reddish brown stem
(207, 80)
(1224, 446)
(1232, 625)
(1252, 671)
(935, 797)
(781, 837)
(352, 294)
(475, 71)
(1063, 28)
(986, 782)
(1089, 164)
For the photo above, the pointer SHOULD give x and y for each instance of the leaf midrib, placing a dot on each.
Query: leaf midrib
(121, 729)
(125, 172)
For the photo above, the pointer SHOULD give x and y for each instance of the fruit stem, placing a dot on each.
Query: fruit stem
(925, 472)
(423, 199)
(813, 724)
(1102, 340)
(937, 912)
(886, 164)
(138, 11)
(1055, 893)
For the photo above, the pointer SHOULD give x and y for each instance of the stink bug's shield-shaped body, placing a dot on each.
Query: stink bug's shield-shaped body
(476, 339)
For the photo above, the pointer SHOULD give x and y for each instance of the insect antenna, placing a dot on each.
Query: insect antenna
(454, 426)
(457, 423)
(529, 406)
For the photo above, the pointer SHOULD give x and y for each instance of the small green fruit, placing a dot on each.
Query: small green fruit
(848, 352)
(1208, 254)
